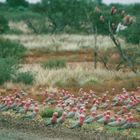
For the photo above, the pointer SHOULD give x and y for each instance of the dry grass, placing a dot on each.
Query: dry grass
(77, 75)
(61, 42)
(21, 26)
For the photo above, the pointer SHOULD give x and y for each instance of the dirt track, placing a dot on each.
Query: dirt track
(13, 129)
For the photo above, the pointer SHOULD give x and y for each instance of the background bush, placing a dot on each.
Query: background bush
(71, 16)
(11, 49)
(10, 54)
(54, 64)
(3, 24)
(16, 3)
(132, 34)
(8, 67)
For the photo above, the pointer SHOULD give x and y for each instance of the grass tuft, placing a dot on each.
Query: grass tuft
(54, 64)
(24, 77)
(48, 112)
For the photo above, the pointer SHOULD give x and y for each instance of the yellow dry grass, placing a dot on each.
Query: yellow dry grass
(79, 74)
(62, 42)
(21, 26)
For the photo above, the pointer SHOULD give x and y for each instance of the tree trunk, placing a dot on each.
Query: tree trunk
(95, 48)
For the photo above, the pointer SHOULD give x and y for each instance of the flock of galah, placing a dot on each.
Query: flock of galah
(122, 111)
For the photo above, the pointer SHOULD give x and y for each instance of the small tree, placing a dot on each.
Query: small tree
(65, 14)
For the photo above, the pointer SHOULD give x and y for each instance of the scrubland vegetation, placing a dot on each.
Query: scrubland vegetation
(69, 44)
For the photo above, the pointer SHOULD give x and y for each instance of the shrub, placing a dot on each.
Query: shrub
(54, 64)
(25, 77)
(16, 3)
(15, 31)
(70, 82)
(3, 24)
(11, 49)
(8, 68)
(21, 8)
(132, 34)
(48, 112)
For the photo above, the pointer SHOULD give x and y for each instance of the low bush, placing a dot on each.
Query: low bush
(24, 77)
(17, 3)
(54, 64)
(10, 54)
(48, 112)
(3, 24)
(11, 49)
(8, 67)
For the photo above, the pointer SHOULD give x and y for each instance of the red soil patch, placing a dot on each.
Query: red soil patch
(36, 56)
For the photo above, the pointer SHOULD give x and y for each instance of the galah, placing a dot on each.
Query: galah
(7, 107)
(25, 108)
(122, 111)
(128, 124)
(102, 115)
(53, 120)
(91, 118)
(62, 118)
(118, 122)
(104, 120)
(71, 114)
(94, 107)
(33, 115)
(79, 123)
(105, 104)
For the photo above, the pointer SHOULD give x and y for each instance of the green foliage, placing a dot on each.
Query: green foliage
(24, 77)
(18, 14)
(15, 31)
(132, 34)
(11, 49)
(21, 8)
(3, 24)
(8, 67)
(48, 112)
(10, 54)
(16, 3)
(54, 64)
(76, 15)
(63, 14)
(71, 16)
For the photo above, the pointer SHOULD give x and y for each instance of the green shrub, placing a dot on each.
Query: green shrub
(48, 112)
(11, 49)
(70, 82)
(8, 67)
(25, 77)
(54, 64)
(3, 24)
(16, 3)
(132, 34)
(21, 8)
